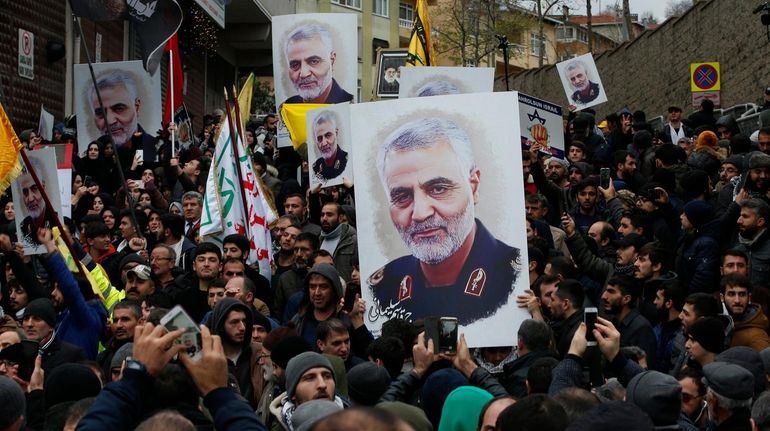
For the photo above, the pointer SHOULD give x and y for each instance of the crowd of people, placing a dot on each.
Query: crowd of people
(663, 232)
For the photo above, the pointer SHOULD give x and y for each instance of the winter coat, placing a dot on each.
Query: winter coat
(698, 260)
(751, 330)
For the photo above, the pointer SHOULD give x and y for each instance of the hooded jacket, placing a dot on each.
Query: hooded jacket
(240, 370)
(751, 330)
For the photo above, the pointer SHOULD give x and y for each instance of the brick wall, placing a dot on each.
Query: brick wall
(653, 71)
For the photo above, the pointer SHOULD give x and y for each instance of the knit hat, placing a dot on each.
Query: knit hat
(749, 359)
(70, 382)
(612, 416)
(436, 389)
(133, 257)
(414, 416)
(657, 394)
(765, 355)
(287, 348)
(758, 160)
(340, 373)
(23, 354)
(729, 380)
(12, 402)
(367, 382)
(707, 138)
(698, 213)
(308, 413)
(299, 364)
(709, 332)
(735, 160)
(42, 308)
(694, 183)
(583, 167)
(121, 355)
(258, 318)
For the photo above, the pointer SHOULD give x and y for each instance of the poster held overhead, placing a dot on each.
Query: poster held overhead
(581, 82)
(437, 81)
(329, 147)
(32, 211)
(438, 203)
(541, 122)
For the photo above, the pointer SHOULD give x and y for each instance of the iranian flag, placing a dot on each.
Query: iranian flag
(228, 210)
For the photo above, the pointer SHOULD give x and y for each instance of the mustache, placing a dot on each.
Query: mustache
(429, 224)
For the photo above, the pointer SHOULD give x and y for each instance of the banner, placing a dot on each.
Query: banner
(225, 211)
(420, 46)
(10, 165)
(45, 125)
(541, 122)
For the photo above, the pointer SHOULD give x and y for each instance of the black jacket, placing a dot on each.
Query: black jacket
(515, 373)
(564, 330)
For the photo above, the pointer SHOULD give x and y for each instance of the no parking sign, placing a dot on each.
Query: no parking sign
(704, 77)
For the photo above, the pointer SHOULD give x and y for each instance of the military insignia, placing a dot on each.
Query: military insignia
(405, 288)
(337, 164)
(476, 282)
(376, 277)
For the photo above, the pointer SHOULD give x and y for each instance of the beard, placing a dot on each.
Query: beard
(313, 92)
(329, 152)
(37, 212)
(390, 79)
(436, 249)
(120, 134)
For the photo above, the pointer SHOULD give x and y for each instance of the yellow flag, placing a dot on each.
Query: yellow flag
(10, 146)
(244, 100)
(294, 116)
(420, 47)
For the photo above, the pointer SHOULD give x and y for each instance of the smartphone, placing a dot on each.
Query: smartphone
(177, 318)
(447, 335)
(139, 184)
(139, 156)
(589, 317)
(604, 178)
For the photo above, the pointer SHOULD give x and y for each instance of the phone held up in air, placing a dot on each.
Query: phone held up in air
(177, 318)
(604, 178)
(589, 317)
(443, 331)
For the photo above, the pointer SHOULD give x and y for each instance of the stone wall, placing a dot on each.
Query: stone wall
(653, 71)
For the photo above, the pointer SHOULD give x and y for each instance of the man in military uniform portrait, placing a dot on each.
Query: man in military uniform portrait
(586, 91)
(310, 56)
(456, 267)
(333, 159)
(34, 204)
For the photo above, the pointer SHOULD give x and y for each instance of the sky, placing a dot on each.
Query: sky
(657, 7)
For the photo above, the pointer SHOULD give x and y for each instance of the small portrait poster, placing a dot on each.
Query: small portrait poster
(390, 64)
(28, 199)
(315, 58)
(131, 97)
(438, 202)
(329, 149)
(541, 122)
(581, 82)
(437, 81)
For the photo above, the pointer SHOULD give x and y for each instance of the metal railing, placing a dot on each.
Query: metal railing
(405, 23)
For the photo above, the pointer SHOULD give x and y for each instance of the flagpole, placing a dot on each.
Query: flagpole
(172, 110)
(115, 157)
(234, 146)
(236, 105)
(50, 213)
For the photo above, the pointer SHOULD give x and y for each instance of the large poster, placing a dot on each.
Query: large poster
(315, 58)
(581, 82)
(438, 201)
(437, 81)
(329, 149)
(28, 198)
(131, 97)
(541, 122)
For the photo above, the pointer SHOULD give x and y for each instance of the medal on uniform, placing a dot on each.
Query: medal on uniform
(476, 282)
(405, 288)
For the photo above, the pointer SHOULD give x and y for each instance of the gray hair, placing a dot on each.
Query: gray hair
(193, 195)
(169, 249)
(307, 32)
(760, 412)
(114, 79)
(437, 88)
(759, 207)
(577, 64)
(426, 133)
(325, 117)
(729, 403)
(536, 335)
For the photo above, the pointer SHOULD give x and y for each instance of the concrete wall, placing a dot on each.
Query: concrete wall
(653, 71)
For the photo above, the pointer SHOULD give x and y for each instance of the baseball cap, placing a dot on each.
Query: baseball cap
(141, 271)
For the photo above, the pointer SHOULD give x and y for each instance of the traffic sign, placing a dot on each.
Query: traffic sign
(26, 54)
(704, 77)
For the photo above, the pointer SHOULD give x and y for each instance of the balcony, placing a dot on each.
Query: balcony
(405, 23)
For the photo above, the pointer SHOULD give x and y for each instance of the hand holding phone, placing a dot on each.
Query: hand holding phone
(589, 317)
(177, 318)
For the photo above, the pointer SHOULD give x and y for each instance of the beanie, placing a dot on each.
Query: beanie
(12, 402)
(299, 364)
(698, 212)
(709, 332)
(694, 183)
(759, 160)
(260, 319)
(735, 160)
(707, 138)
(657, 394)
(133, 257)
(307, 414)
(121, 355)
(43, 309)
(288, 348)
(70, 382)
(367, 382)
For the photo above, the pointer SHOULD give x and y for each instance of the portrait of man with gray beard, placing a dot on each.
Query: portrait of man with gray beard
(333, 158)
(34, 204)
(456, 267)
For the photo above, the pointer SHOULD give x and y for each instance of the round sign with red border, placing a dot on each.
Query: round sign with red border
(705, 77)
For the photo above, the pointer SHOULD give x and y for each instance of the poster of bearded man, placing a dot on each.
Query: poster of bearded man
(315, 58)
(328, 145)
(438, 205)
(28, 198)
(581, 82)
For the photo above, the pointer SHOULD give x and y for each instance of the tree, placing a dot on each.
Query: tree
(466, 29)
(647, 18)
(677, 7)
(589, 23)
(262, 99)
(628, 31)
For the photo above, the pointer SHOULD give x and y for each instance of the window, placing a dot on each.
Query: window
(381, 8)
(583, 36)
(534, 45)
(565, 33)
(352, 3)
(405, 15)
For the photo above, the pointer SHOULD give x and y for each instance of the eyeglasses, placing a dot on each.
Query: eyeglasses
(234, 274)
